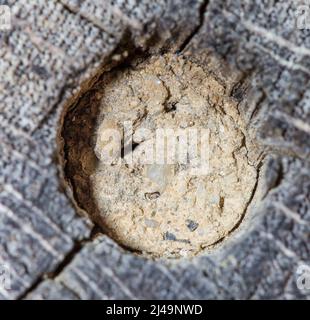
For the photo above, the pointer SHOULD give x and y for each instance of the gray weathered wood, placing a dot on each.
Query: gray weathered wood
(52, 48)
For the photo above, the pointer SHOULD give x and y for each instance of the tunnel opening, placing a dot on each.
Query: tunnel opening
(159, 156)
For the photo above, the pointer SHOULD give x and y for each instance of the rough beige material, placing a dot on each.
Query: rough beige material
(148, 197)
(52, 46)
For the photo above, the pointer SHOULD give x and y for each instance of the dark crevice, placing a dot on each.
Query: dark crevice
(66, 261)
(125, 150)
(202, 11)
(241, 87)
(31, 288)
(170, 107)
(222, 201)
(77, 247)
(74, 293)
(257, 108)
(278, 177)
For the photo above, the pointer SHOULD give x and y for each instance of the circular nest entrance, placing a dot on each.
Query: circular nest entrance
(159, 157)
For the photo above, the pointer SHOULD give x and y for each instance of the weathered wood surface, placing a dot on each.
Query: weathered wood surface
(55, 45)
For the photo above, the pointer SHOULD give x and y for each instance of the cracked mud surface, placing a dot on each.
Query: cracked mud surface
(169, 207)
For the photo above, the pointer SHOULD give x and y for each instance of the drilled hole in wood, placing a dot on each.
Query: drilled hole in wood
(158, 155)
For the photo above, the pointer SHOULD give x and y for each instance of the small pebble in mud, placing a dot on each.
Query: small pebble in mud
(169, 236)
(191, 225)
(152, 195)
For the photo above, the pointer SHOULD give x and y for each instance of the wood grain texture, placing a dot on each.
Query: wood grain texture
(52, 48)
